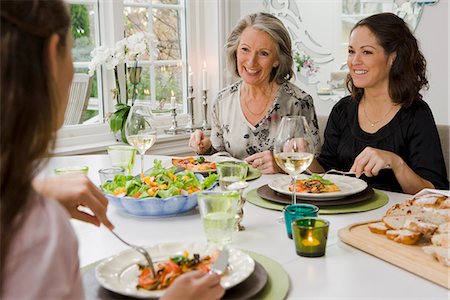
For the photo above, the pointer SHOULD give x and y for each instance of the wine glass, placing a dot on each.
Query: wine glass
(293, 149)
(138, 129)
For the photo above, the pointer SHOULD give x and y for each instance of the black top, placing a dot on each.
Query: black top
(411, 134)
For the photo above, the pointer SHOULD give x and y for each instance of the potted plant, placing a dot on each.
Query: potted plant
(127, 51)
(305, 64)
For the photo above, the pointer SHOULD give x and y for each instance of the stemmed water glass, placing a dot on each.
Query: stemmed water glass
(138, 129)
(293, 149)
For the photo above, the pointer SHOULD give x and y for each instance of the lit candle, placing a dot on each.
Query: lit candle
(173, 100)
(310, 236)
(310, 241)
(191, 77)
(204, 77)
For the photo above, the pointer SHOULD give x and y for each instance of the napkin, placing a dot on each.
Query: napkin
(432, 191)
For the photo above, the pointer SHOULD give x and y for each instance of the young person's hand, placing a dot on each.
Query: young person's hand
(72, 191)
(195, 285)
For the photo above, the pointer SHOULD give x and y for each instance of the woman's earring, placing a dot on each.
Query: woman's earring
(275, 65)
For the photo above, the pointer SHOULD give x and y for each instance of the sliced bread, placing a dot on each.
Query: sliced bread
(440, 253)
(378, 227)
(419, 226)
(403, 236)
(441, 239)
(444, 228)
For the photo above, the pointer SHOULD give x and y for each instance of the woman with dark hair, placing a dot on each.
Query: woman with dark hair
(39, 250)
(246, 115)
(384, 130)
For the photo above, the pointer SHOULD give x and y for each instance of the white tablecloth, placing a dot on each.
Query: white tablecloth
(344, 273)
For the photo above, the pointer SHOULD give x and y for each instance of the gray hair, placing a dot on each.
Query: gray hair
(275, 29)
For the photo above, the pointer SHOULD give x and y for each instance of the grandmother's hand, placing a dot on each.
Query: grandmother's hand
(72, 191)
(199, 142)
(264, 162)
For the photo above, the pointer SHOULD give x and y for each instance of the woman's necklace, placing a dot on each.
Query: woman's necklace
(265, 106)
(257, 113)
(372, 123)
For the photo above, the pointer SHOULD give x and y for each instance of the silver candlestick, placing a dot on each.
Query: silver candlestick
(190, 124)
(239, 187)
(174, 128)
(205, 125)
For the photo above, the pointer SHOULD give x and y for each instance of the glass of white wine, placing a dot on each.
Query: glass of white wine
(138, 129)
(293, 149)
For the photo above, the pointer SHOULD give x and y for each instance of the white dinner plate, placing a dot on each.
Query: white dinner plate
(120, 272)
(347, 185)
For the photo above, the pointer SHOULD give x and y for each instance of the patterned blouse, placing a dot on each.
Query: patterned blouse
(231, 132)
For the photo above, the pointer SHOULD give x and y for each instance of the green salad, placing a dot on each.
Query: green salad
(158, 182)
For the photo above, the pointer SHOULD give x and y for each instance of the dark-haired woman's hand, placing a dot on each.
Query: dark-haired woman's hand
(75, 191)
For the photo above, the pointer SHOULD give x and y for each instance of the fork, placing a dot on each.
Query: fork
(140, 250)
(339, 172)
(332, 171)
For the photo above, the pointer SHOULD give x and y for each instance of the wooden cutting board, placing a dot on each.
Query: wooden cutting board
(409, 257)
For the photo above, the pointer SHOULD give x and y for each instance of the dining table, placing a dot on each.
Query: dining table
(344, 272)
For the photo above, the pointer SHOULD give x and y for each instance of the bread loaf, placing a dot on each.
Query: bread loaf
(425, 215)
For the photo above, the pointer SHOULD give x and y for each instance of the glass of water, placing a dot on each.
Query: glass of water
(231, 172)
(122, 156)
(218, 211)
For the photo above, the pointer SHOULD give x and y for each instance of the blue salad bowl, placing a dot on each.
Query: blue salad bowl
(156, 207)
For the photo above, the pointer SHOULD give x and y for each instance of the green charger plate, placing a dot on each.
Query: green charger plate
(379, 200)
(277, 286)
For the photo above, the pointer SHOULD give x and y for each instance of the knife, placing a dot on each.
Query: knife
(221, 263)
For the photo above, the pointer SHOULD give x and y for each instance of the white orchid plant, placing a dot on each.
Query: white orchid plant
(127, 51)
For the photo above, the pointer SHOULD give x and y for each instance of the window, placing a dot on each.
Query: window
(162, 77)
(98, 23)
(85, 33)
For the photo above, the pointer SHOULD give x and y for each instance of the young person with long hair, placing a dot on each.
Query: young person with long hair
(39, 250)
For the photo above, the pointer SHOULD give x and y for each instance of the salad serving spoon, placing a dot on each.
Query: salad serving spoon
(140, 250)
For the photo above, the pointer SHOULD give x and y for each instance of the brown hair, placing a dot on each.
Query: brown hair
(279, 34)
(29, 108)
(408, 72)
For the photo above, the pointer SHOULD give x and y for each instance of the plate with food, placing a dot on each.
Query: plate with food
(328, 187)
(159, 192)
(124, 274)
(206, 165)
(197, 164)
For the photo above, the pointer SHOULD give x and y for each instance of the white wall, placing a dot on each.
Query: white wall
(433, 35)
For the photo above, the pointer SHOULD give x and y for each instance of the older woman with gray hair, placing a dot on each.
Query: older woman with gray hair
(246, 115)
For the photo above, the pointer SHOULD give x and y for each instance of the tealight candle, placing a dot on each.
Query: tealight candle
(310, 241)
(310, 236)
